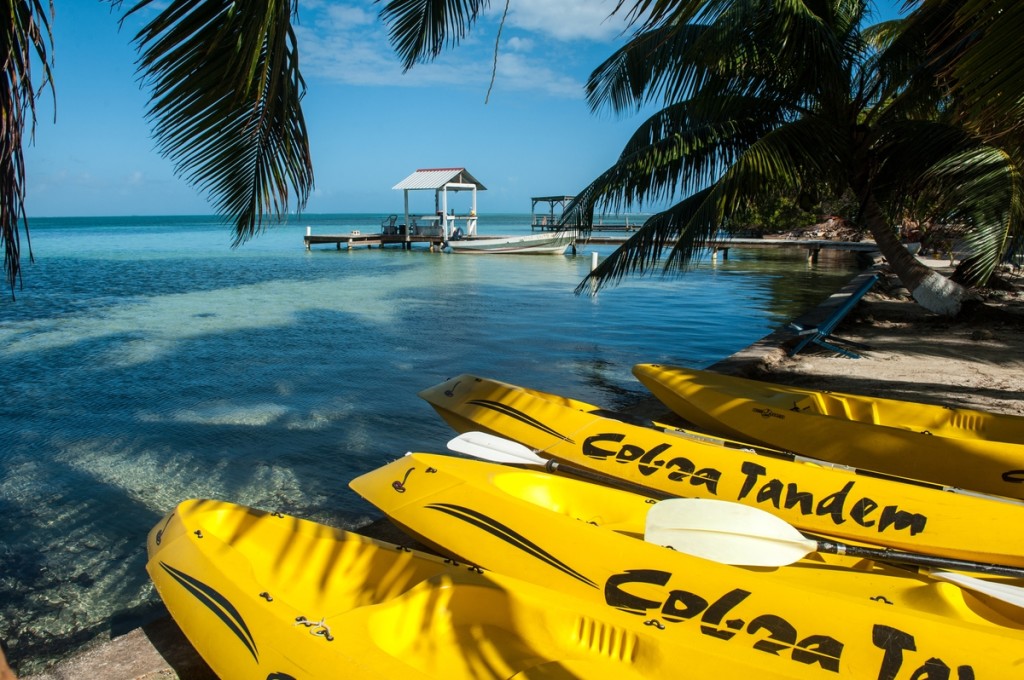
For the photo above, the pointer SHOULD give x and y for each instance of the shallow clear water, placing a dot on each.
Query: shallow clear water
(146, 362)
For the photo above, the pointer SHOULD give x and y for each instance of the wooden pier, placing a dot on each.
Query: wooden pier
(722, 246)
(357, 239)
(718, 248)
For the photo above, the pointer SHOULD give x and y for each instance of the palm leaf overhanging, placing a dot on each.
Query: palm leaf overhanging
(225, 104)
(763, 97)
(975, 47)
(421, 29)
(27, 37)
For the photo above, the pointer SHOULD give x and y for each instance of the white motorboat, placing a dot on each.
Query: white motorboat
(552, 243)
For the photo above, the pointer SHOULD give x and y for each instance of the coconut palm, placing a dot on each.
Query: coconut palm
(978, 51)
(761, 96)
(225, 106)
(764, 97)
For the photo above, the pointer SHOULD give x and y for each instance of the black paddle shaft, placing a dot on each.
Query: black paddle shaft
(888, 555)
(606, 480)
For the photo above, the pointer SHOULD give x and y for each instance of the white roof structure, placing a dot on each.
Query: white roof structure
(437, 178)
(441, 181)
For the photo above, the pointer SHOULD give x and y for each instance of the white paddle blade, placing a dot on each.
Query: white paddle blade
(730, 533)
(995, 589)
(493, 448)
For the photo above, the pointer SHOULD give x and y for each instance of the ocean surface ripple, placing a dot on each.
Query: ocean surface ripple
(146, 362)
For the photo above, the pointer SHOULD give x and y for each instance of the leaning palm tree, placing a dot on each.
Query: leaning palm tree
(225, 106)
(760, 96)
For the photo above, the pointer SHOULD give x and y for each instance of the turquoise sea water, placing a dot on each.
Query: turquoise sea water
(146, 362)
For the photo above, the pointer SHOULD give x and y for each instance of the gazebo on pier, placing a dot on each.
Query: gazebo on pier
(549, 221)
(441, 223)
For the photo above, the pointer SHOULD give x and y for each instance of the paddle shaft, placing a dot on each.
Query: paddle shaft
(553, 465)
(918, 559)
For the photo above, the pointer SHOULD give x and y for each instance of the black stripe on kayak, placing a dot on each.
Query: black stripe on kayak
(218, 604)
(508, 535)
(507, 410)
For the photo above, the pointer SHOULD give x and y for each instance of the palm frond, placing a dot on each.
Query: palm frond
(27, 38)
(785, 159)
(751, 47)
(678, 150)
(978, 55)
(644, 250)
(906, 151)
(225, 104)
(421, 29)
(984, 186)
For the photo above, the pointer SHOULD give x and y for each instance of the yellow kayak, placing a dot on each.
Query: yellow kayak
(811, 619)
(818, 499)
(262, 595)
(958, 447)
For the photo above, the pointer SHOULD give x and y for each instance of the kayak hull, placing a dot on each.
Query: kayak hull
(816, 618)
(262, 595)
(970, 449)
(815, 498)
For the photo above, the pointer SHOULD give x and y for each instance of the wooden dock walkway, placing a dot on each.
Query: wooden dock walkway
(356, 239)
(721, 247)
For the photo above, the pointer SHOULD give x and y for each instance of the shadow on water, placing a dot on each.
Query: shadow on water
(275, 385)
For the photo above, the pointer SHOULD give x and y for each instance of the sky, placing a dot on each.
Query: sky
(370, 125)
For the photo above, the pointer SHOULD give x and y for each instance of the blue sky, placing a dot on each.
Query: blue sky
(370, 125)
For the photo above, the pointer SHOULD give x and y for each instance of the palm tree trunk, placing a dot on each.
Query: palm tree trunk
(929, 288)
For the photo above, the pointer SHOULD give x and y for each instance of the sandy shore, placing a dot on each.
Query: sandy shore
(976, 362)
(973, 362)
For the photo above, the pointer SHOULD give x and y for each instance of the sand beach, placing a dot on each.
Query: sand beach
(976, 361)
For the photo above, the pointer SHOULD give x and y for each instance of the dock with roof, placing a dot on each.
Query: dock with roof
(435, 228)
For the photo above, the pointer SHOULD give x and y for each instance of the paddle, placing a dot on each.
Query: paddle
(733, 533)
(753, 530)
(500, 450)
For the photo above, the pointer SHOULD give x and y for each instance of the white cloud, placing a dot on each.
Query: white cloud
(568, 19)
(517, 72)
(349, 44)
(517, 44)
(345, 15)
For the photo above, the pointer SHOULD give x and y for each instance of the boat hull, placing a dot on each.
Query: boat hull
(816, 498)
(974, 450)
(816, 619)
(262, 595)
(528, 244)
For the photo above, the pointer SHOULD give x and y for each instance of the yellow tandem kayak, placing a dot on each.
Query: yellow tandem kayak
(262, 595)
(812, 619)
(816, 498)
(954, 446)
